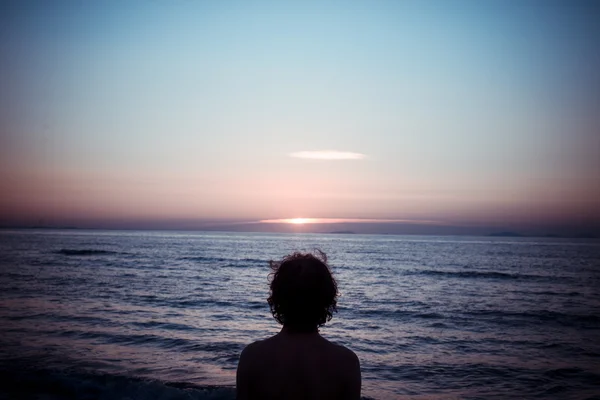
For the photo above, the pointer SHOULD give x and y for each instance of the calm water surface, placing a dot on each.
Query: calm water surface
(166, 314)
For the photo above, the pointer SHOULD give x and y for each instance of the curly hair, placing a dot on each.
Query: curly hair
(303, 293)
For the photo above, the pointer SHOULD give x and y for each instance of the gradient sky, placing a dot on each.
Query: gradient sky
(462, 112)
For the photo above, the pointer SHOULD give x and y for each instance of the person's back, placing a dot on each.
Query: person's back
(298, 363)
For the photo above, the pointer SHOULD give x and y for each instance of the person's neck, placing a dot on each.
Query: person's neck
(288, 330)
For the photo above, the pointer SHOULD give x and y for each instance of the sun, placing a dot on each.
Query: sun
(299, 221)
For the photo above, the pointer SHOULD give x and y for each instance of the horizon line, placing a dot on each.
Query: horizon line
(302, 221)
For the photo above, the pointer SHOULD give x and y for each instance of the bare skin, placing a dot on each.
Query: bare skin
(293, 365)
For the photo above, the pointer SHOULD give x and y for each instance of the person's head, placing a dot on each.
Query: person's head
(303, 291)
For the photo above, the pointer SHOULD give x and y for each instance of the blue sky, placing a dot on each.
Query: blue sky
(466, 112)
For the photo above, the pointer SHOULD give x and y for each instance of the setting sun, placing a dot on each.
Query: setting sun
(299, 221)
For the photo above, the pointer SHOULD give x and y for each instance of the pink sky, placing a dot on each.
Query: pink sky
(129, 118)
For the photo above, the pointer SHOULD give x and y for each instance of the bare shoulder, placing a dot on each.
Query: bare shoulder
(251, 350)
(343, 354)
(257, 349)
(340, 350)
(249, 360)
(347, 355)
(348, 366)
(248, 366)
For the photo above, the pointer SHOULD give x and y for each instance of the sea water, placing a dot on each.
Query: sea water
(151, 315)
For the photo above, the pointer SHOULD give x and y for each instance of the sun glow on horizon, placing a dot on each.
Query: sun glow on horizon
(299, 221)
(302, 221)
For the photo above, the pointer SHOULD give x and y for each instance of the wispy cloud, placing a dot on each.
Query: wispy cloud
(328, 155)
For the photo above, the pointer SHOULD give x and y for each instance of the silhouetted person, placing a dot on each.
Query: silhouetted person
(298, 363)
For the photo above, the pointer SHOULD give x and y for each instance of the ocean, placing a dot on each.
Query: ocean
(165, 315)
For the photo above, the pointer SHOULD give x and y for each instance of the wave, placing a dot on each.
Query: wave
(210, 259)
(179, 343)
(232, 262)
(529, 382)
(34, 383)
(84, 252)
(62, 385)
(581, 321)
(509, 318)
(477, 274)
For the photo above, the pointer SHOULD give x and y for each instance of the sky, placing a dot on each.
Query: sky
(191, 114)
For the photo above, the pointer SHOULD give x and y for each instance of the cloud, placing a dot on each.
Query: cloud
(328, 155)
